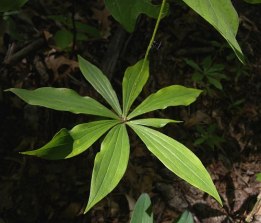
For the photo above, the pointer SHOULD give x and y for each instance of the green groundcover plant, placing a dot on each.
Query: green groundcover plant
(111, 162)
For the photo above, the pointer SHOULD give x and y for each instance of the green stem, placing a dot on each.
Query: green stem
(155, 29)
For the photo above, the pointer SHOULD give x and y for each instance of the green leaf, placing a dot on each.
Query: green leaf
(90, 30)
(142, 212)
(81, 28)
(258, 177)
(126, 12)
(109, 165)
(192, 64)
(200, 141)
(63, 99)
(58, 148)
(153, 122)
(253, 1)
(100, 82)
(134, 79)
(186, 217)
(10, 5)
(66, 144)
(197, 77)
(222, 16)
(84, 135)
(177, 158)
(63, 38)
(174, 95)
(215, 82)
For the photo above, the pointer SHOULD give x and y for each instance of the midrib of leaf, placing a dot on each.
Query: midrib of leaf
(216, 18)
(139, 109)
(99, 187)
(115, 105)
(100, 83)
(58, 101)
(133, 88)
(62, 101)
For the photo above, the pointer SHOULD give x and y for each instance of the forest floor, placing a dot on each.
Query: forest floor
(223, 127)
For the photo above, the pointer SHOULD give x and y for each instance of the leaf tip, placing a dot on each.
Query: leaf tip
(26, 153)
(9, 89)
(216, 196)
(79, 57)
(219, 200)
(88, 207)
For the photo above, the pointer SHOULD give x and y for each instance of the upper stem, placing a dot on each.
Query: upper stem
(155, 30)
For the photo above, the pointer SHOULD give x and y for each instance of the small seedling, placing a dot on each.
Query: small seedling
(207, 74)
(208, 136)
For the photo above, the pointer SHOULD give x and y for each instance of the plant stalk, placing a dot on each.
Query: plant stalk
(155, 30)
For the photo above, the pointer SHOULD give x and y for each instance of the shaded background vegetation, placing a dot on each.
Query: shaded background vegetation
(38, 48)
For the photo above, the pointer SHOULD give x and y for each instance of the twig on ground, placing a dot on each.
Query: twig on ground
(30, 48)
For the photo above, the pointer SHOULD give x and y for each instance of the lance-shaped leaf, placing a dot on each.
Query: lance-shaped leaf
(222, 16)
(177, 158)
(153, 122)
(135, 78)
(84, 135)
(142, 212)
(174, 95)
(110, 164)
(186, 217)
(63, 99)
(58, 148)
(66, 144)
(126, 12)
(100, 82)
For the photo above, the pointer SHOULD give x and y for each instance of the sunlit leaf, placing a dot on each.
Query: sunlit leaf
(135, 78)
(177, 158)
(174, 95)
(142, 212)
(100, 82)
(153, 122)
(222, 16)
(84, 135)
(63, 99)
(110, 164)
(66, 144)
(126, 12)
(186, 217)
(258, 177)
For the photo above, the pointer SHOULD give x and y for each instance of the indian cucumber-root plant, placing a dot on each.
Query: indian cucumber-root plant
(111, 162)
